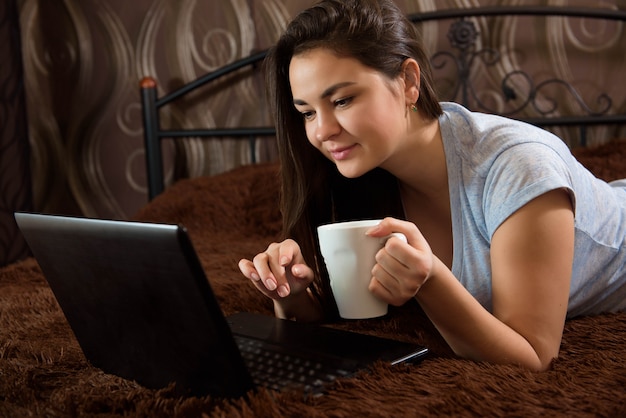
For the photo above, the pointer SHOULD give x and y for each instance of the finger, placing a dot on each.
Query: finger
(382, 290)
(392, 261)
(289, 253)
(302, 273)
(415, 254)
(286, 252)
(266, 269)
(391, 290)
(408, 264)
(397, 253)
(390, 225)
(247, 269)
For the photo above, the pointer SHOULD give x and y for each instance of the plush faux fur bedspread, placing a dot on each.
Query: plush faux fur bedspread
(43, 371)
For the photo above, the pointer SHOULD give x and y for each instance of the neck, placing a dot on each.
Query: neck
(420, 166)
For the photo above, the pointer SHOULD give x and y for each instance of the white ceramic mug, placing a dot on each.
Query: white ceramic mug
(349, 256)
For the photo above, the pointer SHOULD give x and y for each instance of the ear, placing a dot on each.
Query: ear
(411, 76)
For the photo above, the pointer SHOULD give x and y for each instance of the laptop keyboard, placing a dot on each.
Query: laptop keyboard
(271, 367)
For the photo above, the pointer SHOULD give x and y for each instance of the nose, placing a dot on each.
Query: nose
(326, 126)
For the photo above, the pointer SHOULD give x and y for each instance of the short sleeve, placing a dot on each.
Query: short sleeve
(518, 175)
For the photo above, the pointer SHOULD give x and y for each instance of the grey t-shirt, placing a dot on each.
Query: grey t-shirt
(497, 165)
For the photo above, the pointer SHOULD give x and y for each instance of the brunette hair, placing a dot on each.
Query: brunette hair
(377, 34)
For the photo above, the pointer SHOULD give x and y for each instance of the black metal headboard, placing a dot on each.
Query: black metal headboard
(462, 35)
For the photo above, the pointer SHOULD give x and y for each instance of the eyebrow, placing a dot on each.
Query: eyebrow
(329, 91)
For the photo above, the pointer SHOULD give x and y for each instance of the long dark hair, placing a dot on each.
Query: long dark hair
(376, 33)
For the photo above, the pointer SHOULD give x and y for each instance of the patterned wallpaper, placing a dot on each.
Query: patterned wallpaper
(15, 185)
(83, 60)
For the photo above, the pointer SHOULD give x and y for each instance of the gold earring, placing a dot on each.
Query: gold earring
(413, 107)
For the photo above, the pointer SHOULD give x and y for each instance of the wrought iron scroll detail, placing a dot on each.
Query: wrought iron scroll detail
(463, 37)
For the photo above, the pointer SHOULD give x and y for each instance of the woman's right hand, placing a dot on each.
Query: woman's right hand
(279, 271)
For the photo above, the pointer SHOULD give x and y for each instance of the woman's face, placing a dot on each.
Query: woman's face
(353, 114)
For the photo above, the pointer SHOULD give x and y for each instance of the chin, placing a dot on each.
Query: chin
(352, 172)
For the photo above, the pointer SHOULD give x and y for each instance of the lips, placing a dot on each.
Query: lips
(341, 153)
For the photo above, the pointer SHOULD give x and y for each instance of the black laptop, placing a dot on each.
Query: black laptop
(141, 307)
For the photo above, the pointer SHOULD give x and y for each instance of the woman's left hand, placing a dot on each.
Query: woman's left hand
(401, 267)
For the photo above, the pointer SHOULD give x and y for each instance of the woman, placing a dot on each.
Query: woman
(507, 233)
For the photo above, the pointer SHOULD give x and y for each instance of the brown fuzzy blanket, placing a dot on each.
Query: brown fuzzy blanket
(234, 215)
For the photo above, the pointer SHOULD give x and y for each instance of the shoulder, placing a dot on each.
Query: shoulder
(478, 139)
(477, 127)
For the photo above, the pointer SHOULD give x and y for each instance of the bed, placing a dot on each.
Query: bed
(235, 214)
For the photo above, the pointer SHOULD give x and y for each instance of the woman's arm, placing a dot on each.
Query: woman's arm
(531, 257)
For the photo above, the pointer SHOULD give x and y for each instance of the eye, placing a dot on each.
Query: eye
(343, 102)
(307, 115)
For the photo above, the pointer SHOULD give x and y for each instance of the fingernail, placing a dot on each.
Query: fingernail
(372, 230)
(270, 284)
(255, 277)
(284, 260)
(283, 291)
(297, 271)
